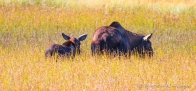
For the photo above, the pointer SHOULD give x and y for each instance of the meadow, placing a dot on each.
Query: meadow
(28, 27)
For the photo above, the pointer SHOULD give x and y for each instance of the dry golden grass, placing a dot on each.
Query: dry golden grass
(28, 27)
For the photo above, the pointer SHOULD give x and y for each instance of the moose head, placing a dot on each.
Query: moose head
(76, 41)
(145, 48)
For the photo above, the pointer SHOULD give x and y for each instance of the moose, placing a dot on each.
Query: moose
(115, 39)
(68, 48)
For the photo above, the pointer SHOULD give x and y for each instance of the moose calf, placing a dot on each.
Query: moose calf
(67, 49)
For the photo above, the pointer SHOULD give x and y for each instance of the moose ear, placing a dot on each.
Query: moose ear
(146, 38)
(82, 37)
(65, 36)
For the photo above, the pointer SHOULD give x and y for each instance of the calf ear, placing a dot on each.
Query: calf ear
(82, 37)
(65, 36)
(146, 38)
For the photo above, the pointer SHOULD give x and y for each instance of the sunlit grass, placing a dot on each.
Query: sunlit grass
(28, 27)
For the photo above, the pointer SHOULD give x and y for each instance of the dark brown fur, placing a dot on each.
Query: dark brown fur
(114, 38)
(67, 49)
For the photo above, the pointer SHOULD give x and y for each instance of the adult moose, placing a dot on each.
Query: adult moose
(114, 38)
(68, 48)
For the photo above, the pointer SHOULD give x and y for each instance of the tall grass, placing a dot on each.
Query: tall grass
(28, 27)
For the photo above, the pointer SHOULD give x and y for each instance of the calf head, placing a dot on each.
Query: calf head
(76, 41)
(71, 45)
(145, 47)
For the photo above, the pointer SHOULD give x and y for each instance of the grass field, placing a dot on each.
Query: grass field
(27, 27)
